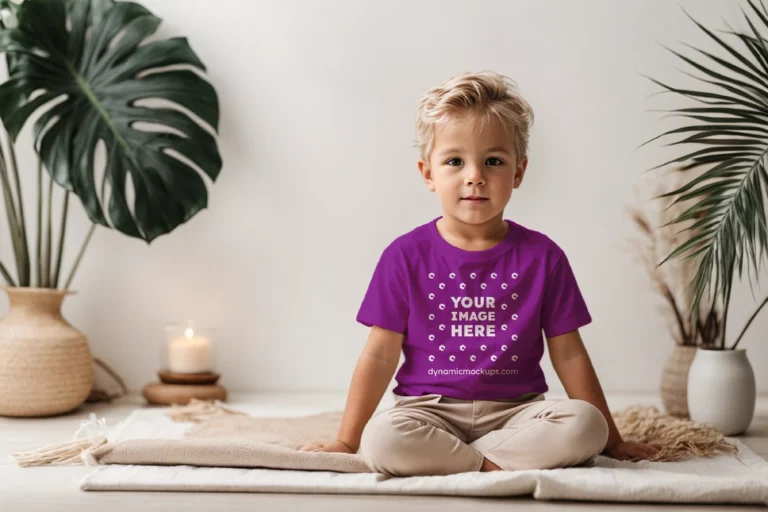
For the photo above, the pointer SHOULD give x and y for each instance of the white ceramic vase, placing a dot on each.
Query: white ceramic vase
(721, 390)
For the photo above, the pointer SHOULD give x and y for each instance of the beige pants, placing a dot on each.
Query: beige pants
(435, 435)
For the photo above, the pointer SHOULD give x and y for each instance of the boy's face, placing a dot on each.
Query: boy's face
(473, 171)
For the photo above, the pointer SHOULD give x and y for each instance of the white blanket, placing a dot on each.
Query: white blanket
(722, 479)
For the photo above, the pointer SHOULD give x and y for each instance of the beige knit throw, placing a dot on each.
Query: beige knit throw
(678, 438)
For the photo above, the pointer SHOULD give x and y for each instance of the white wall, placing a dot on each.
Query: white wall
(317, 102)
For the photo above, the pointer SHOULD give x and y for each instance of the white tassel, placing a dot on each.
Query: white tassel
(57, 454)
(94, 427)
(93, 433)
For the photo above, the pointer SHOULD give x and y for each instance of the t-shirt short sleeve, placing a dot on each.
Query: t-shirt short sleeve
(385, 303)
(563, 309)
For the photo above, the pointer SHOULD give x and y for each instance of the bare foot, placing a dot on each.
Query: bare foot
(489, 466)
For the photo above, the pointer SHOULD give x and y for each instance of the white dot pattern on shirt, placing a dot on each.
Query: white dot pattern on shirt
(463, 286)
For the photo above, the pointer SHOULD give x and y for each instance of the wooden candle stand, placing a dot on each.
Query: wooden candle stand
(180, 388)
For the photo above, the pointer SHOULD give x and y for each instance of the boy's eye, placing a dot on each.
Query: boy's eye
(493, 161)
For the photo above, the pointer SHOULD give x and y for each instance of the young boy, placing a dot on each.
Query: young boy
(466, 298)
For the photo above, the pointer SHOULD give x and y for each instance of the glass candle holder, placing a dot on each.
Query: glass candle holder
(188, 348)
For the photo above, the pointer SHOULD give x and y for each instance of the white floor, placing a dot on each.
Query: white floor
(54, 488)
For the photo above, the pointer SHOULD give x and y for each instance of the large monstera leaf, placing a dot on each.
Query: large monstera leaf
(84, 65)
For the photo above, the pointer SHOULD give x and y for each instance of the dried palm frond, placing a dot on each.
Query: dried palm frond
(671, 280)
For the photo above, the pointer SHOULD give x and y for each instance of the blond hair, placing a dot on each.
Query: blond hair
(485, 94)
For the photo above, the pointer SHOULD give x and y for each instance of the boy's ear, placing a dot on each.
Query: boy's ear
(520, 172)
(426, 174)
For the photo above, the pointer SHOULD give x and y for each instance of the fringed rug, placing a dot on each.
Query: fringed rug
(212, 447)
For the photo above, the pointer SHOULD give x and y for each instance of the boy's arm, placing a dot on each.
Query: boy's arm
(373, 373)
(574, 368)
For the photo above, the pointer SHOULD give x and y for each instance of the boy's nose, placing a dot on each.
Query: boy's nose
(474, 177)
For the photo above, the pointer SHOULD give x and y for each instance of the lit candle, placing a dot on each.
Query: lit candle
(190, 354)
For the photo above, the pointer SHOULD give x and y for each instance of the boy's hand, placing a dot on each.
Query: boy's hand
(335, 446)
(628, 450)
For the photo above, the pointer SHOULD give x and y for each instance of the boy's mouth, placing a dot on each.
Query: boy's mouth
(475, 199)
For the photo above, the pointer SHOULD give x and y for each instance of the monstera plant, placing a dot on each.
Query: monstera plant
(91, 75)
(85, 70)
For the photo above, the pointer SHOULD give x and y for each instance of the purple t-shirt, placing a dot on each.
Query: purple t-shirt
(473, 320)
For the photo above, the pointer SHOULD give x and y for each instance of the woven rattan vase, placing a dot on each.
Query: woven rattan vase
(674, 380)
(45, 364)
